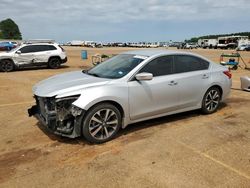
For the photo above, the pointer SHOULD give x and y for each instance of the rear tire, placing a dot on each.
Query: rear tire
(54, 63)
(6, 65)
(101, 123)
(235, 67)
(211, 100)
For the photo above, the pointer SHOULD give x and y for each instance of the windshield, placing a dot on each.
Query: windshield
(117, 66)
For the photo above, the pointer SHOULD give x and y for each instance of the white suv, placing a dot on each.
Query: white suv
(191, 46)
(51, 55)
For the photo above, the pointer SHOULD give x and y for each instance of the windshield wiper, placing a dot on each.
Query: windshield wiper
(93, 74)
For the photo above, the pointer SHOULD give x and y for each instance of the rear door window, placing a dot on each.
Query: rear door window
(42, 48)
(37, 48)
(188, 63)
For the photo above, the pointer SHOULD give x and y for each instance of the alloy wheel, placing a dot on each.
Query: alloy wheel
(103, 124)
(7, 66)
(54, 63)
(212, 100)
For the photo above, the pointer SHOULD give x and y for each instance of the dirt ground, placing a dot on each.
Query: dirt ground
(184, 150)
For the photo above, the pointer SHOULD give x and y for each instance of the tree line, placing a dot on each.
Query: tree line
(9, 30)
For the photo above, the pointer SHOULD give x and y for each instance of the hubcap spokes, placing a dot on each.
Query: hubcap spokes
(6, 66)
(103, 124)
(212, 100)
(54, 63)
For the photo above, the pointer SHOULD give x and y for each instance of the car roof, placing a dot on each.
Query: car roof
(153, 52)
(40, 43)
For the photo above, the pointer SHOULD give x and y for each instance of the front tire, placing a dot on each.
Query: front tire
(6, 65)
(211, 100)
(54, 63)
(101, 123)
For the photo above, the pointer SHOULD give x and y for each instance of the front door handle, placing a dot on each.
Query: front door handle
(172, 83)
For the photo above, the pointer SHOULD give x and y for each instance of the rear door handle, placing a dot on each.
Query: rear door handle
(205, 76)
(172, 83)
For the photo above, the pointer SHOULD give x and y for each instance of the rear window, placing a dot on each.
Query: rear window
(186, 63)
(50, 47)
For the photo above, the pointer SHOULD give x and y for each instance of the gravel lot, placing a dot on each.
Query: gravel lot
(184, 150)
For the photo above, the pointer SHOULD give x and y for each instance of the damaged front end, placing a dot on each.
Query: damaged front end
(59, 115)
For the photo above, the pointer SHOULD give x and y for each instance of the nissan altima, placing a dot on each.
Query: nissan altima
(128, 88)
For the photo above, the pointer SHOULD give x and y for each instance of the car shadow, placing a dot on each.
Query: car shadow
(61, 139)
(42, 68)
(162, 121)
(237, 89)
(37, 68)
(132, 128)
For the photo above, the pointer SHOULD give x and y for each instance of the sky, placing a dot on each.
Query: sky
(127, 20)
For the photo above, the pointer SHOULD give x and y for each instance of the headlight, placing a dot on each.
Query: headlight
(70, 98)
(64, 107)
(76, 111)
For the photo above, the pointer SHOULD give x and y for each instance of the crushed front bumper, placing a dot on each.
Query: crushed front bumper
(70, 128)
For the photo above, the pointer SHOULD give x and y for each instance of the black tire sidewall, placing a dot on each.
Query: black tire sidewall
(235, 67)
(9, 61)
(52, 66)
(203, 108)
(88, 116)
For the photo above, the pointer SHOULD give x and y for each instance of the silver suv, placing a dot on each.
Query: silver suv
(128, 88)
(51, 55)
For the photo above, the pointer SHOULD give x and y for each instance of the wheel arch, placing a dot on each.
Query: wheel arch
(218, 87)
(211, 86)
(7, 58)
(115, 103)
(54, 56)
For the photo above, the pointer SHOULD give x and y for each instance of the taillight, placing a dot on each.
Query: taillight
(228, 74)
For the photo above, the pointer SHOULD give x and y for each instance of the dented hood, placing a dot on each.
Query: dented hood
(5, 54)
(71, 82)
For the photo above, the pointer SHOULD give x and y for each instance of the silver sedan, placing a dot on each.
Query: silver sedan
(128, 88)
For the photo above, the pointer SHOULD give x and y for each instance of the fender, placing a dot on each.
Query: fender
(91, 96)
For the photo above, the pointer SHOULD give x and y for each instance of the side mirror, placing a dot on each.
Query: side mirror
(144, 76)
(18, 52)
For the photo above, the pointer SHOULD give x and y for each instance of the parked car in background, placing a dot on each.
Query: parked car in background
(191, 46)
(243, 47)
(208, 43)
(247, 48)
(181, 45)
(129, 88)
(7, 46)
(230, 42)
(51, 55)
